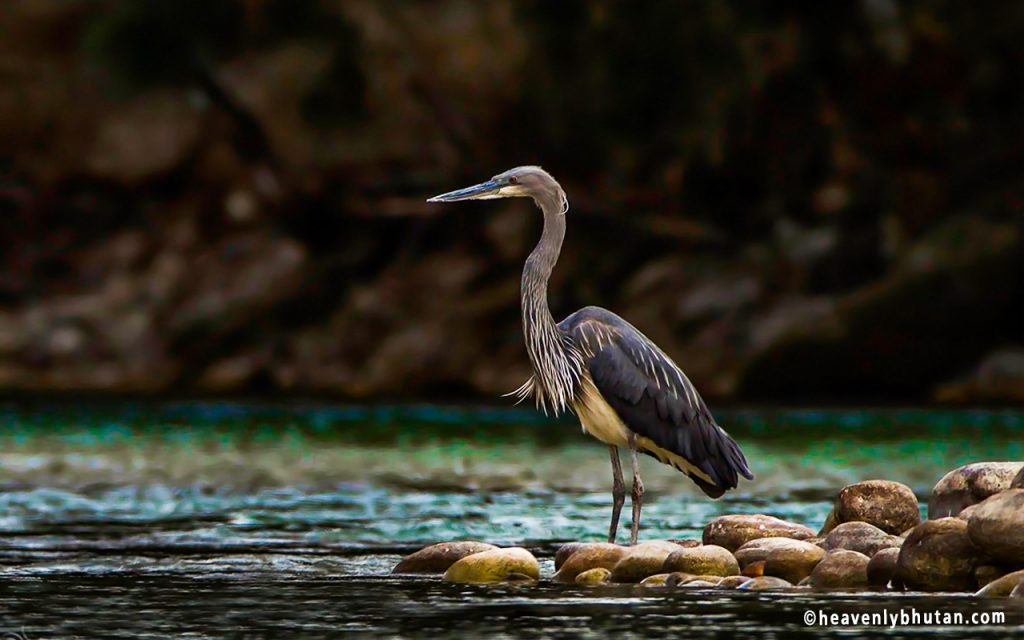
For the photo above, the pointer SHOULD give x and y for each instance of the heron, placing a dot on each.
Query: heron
(626, 392)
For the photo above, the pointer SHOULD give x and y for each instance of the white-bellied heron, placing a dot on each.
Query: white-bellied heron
(624, 389)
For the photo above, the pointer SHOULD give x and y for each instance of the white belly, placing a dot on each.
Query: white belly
(599, 419)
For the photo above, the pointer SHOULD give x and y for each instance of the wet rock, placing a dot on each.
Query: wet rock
(677, 578)
(861, 537)
(657, 580)
(438, 557)
(966, 512)
(733, 582)
(986, 573)
(699, 584)
(882, 566)
(759, 549)
(1002, 587)
(841, 569)
(938, 556)
(970, 484)
(519, 577)
(1018, 480)
(566, 550)
(600, 575)
(890, 506)
(765, 583)
(589, 556)
(754, 569)
(1018, 591)
(793, 562)
(707, 559)
(733, 531)
(493, 566)
(829, 524)
(645, 559)
(997, 526)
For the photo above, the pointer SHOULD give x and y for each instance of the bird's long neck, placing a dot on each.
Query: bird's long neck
(556, 368)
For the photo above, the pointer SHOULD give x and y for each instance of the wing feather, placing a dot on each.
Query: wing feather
(654, 398)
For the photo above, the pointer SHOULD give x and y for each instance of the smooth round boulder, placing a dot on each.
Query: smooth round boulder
(677, 578)
(758, 549)
(997, 526)
(890, 506)
(765, 583)
(657, 580)
(882, 566)
(707, 559)
(492, 566)
(1002, 587)
(566, 550)
(861, 537)
(589, 556)
(841, 569)
(733, 582)
(698, 584)
(600, 575)
(733, 531)
(938, 556)
(970, 484)
(645, 559)
(438, 557)
(793, 562)
(754, 569)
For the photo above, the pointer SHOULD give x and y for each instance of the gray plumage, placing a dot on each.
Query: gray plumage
(654, 408)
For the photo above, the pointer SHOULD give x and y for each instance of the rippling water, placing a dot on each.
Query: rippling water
(233, 519)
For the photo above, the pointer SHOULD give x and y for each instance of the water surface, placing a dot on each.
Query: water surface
(212, 519)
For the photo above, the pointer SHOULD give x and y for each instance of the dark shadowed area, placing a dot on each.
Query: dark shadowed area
(797, 201)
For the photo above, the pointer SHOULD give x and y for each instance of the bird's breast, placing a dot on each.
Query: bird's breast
(598, 418)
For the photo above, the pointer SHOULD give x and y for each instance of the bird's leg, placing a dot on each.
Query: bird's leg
(638, 491)
(618, 493)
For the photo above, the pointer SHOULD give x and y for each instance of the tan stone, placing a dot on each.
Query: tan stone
(438, 557)
(733, 531)
(493, 566)
(708, 559)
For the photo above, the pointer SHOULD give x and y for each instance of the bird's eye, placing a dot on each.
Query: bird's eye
(513, 180)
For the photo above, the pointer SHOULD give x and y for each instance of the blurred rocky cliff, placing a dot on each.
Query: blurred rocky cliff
(798, 201)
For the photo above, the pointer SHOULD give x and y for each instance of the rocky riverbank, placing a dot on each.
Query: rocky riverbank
(874, 539)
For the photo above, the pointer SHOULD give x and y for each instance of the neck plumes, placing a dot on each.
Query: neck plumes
(557, 365)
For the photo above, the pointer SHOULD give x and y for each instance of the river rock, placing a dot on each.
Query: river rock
(759, 549)
(793, 562)
(495, 565)
(841, 569)
(657, 580)
(1018, 480)
(707, 559)
(938, 556)
(566, 550)
(600, 575)
(733, 531)
(1002, 587)
(589, 556)
(862, 537)
(438, 557)
(1018, 591)
(970, 484)
(882, 566)
(645, 559)
(765, 583)
(986, 573)
(677, 578)
(733, 582)
(890, 506)
(698, 584)
(997, 526)
(754, 569)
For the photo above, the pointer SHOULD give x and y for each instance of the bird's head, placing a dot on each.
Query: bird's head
(520, 182)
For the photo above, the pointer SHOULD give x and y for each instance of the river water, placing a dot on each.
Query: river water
(254, 520)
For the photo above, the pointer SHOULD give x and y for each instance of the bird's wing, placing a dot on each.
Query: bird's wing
(655, 399)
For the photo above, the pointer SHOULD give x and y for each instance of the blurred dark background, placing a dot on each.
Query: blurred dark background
(800, 202)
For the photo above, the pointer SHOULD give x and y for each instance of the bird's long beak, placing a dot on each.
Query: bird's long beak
(482, 191)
